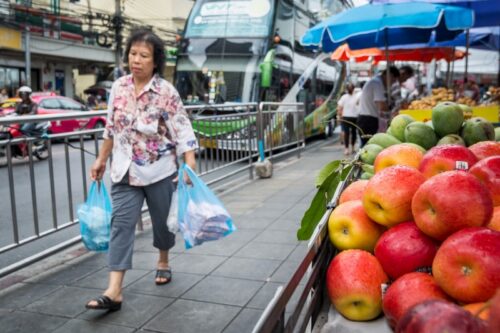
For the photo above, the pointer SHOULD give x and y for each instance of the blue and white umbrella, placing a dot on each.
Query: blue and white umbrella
(383, 25)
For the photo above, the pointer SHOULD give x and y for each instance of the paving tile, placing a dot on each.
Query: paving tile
(136, 310)
(180, 283)
(25, 294)
(267, 292)
(244, 322)
(299, 252)
(65, 302)
(64, 275)
(20, 322)
(286, 224)
(196, 263)
(223, 290)
(185, 316)
(99, 279)
(277, 237)
(285, 272)
(247, 268)
(91, 259)
(264, 295)
(254, 223)
(85, 326)
(228, 245)
(265, 251)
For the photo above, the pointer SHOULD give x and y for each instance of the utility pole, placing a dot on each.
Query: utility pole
(118, 26)
(27, 55)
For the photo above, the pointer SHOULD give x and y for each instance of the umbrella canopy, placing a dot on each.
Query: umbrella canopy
(487, 38)
(381, 25)
(344, 53)
(487, 12)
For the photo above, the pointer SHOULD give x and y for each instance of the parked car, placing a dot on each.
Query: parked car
(56, 105)
(10, 104)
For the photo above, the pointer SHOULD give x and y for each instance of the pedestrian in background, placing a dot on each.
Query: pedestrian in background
(147, 129)
(373, 102)
(347, 112)
(3, 95)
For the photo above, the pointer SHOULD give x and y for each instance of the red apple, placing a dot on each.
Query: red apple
(467, 264)
(494, 322)
(444, 158)
(485, 149)
(350, 228)
(354, 191)
(437, 316)
(488, 172)
(451, 201)
(353, 281)
(388, 195)
(407, 291)
(495, 219)
(400, 154)
(404, 249)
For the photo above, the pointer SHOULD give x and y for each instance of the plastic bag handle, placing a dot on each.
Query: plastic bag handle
(185, 168)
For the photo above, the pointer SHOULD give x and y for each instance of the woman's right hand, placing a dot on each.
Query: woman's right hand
(98, 168)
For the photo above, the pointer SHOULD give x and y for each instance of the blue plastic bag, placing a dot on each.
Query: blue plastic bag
(95, 218)
(202, 217)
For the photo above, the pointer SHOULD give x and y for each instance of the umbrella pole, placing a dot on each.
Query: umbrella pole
(450, 73)
(387, 74)
(452, 69)
(466, 54)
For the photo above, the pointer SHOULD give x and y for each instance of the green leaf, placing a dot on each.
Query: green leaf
(345, 171)
(327, 182)
(326, 171)
(312, 216)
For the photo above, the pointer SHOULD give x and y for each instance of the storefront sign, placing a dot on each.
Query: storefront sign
(10, 38)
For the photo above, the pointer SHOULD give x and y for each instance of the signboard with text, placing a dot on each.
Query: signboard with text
(250, 18)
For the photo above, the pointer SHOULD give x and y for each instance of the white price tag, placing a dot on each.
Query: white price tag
(461, 165)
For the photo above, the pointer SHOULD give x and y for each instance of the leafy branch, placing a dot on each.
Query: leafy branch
(326, 182)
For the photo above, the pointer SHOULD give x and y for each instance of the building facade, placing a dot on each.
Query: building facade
(68, 45)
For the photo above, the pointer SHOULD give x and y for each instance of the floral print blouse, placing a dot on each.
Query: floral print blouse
(149, 131)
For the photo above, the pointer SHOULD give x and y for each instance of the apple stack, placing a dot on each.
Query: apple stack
(448, 126)
(420, 240)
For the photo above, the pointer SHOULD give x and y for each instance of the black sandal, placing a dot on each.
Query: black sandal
(104, 303)
(163, 274)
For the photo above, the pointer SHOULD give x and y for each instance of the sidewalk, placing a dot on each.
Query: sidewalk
(220, 286)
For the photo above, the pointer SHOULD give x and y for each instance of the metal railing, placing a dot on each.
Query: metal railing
(46, 201)
(311, 271)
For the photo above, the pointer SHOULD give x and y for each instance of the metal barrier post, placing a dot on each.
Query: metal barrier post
(250, 153)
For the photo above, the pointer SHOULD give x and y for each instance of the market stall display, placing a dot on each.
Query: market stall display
(440, 219)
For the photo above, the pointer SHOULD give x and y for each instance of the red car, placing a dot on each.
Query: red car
(50, 104)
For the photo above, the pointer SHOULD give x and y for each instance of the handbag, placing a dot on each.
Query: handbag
(95, 218)
(201, 215)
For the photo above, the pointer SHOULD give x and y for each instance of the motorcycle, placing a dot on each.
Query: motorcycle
(20, 150)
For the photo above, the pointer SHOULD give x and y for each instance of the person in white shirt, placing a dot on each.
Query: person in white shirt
(3, 95)
(347, 112)
(373, 103)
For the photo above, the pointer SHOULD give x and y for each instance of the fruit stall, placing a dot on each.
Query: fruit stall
(405, 237)
(421, 109)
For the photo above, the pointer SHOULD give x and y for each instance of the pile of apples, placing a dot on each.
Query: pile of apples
(420, 240)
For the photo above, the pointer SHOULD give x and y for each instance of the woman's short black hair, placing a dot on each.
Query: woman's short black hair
(146, 35)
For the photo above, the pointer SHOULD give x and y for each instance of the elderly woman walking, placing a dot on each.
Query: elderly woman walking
(147, 130)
